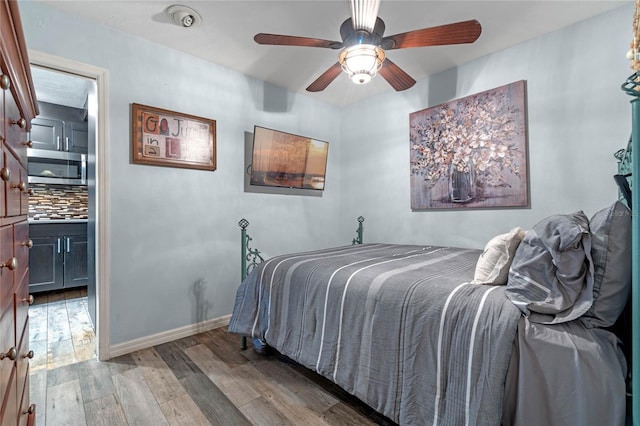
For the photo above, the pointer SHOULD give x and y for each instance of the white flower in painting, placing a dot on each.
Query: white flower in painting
(478, 132)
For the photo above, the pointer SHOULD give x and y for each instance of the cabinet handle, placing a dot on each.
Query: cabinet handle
(28, 243)
(22, 123)
(29, 299)
(28, 144)
(30, 410)
(68, 242)
(5, 82)
(11, 264)
(5, 174)
(58, 245)
(12, 353)
(66, 143)
(58, 143)
(22, 186)
(28, 355)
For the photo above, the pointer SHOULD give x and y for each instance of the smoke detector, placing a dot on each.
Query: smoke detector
(184, 16)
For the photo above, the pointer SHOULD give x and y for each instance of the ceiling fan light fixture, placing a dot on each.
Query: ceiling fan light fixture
(361, 62)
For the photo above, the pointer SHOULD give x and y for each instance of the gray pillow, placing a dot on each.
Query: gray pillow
(551, 277)
(611, 252)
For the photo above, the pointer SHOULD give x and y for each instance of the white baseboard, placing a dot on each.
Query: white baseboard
(167, 336)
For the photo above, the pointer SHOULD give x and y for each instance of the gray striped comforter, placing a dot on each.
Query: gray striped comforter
(398, 326)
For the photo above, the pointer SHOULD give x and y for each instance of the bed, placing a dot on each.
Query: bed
(518, 333)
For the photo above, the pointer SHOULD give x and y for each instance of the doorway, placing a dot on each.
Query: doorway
(96, 295)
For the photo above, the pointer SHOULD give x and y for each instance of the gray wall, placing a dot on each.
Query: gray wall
(577, 118)
(171, 228)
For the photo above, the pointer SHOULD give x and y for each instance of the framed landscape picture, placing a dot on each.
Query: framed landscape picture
(166, 138)
(471, 152)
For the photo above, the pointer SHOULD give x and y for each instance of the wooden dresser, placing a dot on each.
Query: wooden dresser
(17, 108)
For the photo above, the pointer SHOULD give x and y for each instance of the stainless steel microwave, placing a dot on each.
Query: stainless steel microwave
(57, 167)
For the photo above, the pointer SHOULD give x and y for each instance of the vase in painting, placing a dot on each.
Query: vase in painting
(462, 188)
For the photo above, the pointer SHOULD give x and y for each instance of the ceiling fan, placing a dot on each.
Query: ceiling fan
(364, 45)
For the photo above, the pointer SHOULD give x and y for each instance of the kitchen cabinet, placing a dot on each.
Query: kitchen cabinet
(59, 135)
(46, 133)
(17, 108)
(77, 136)
(58, 257)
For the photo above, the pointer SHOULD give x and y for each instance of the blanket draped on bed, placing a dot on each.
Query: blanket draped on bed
(398, 326)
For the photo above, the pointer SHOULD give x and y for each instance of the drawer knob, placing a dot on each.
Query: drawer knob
(5, 174)
(28, 144)
(12, 264)
(12, 353)
(5, 82)
(22, 123)
(28, 243)
(29, 299)
(21, 186)
(30, 410)
(28, 355)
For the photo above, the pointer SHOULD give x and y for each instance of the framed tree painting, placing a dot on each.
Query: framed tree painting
(471, 152)
(166, 138)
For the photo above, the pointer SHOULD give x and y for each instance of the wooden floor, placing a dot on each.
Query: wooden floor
(199, 380)
(60, 329)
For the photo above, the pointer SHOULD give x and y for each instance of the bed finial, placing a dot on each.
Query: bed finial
(248, 254)
(252, 256)
(358, 238)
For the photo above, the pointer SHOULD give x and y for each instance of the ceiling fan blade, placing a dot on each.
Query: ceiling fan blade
(456, 33)
(285, 40)
(326, 78)
(395, 76)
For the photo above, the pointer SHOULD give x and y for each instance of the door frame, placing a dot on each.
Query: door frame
(100, 76)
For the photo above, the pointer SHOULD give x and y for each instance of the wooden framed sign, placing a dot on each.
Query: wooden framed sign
(166, 138)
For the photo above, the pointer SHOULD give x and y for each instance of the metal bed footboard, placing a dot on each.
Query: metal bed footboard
(251, 257)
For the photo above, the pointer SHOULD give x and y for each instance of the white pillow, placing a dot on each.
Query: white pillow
(494, 262)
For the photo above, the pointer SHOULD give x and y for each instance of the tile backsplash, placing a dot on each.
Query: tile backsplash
(58, 202)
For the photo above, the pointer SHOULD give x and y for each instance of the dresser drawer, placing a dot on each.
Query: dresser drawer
(22, 308)
(10, 406)
(8, 350)
(2, 95)
(3, 207)
(25, 192)
(22, 363)
(22, 243)
(16, 128)
(8, 267)
(27, 411)
(13, 184)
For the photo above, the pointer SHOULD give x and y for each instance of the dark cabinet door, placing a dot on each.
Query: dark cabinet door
(58, 256)
(75, 261)
(59, 135)
(76, 137)
(47, 133)
(46, 266)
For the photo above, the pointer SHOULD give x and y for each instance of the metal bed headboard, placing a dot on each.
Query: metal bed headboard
(251, 257)
(632, 87)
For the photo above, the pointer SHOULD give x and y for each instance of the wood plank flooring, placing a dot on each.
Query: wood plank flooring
(60, 329)
(199, 380)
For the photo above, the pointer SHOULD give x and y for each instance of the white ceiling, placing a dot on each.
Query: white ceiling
(60, 88)
(225, 35)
